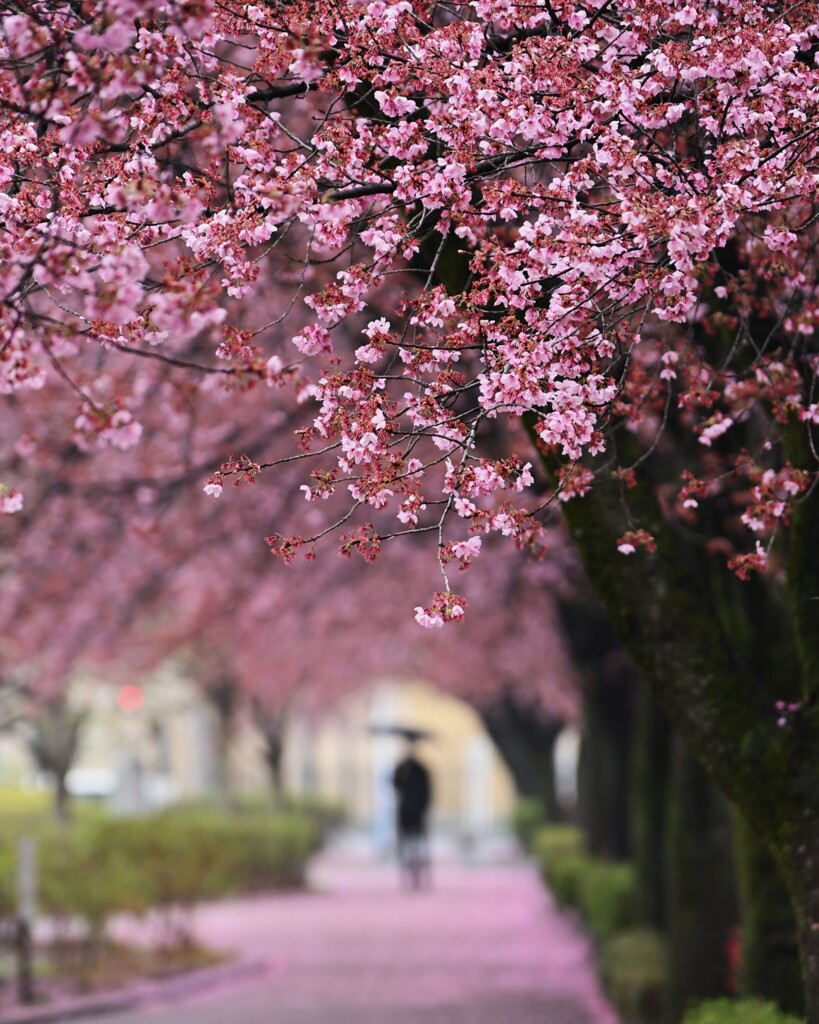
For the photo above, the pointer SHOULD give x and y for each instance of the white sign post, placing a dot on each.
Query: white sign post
(26, 912)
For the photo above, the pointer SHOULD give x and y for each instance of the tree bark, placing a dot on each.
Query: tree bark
(800, 863)
(525, 740)
(770, 951)
(708, 646)
(651, 767)
(796, 844)
(604, 810)
(708, 650)
(609, 682)
(702, 898)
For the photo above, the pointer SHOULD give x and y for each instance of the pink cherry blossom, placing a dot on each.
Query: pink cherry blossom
(526, 233)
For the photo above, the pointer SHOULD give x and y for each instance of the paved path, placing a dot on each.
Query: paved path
(483, 946)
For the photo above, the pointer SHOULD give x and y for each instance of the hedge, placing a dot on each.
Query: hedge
(605, 894)
(562, 876)
(738, 1011)
(601, 891)
(634, 970)
(554, 842)
(167, 862)
(526, 821)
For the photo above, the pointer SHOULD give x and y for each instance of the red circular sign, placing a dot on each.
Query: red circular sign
(130, 698)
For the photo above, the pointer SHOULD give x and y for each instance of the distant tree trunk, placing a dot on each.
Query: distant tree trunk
(525, 739)
(273, 754)
(53, 737)
(770, 950)
(223, 697)
(651, 769)
(702, 899)
(603, 772)
(609, 683)
(272, 725)
(62, 798)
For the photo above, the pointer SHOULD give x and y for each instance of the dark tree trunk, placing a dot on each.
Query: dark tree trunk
(702, 898)
(797, 845)
(708, 649)
(800, 863)
(717, 654)
(603, 785)
(609, 682)
(525, 740)
(770, 950)
(651, 767)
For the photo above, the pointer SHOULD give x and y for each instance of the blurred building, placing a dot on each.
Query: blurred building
(350, 756)
(150, 745)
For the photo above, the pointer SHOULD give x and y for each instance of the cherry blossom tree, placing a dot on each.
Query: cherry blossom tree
(105, 587)
(566, 239)
(266, 643)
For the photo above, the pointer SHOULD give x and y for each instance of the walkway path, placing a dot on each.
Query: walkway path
(483, 946)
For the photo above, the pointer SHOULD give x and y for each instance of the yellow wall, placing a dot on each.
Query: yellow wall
(340, 756)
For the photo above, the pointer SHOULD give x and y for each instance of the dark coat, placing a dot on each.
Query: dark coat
(414, 793)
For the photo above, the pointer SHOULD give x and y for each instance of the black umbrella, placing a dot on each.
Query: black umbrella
(404, 731)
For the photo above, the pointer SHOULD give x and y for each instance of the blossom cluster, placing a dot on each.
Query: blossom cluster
(556, 214)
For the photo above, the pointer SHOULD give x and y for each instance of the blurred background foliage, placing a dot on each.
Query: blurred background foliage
(159, 866)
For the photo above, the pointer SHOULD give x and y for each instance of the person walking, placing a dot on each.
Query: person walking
(413, 788)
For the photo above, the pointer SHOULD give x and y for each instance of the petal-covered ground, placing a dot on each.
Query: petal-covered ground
(482, 945)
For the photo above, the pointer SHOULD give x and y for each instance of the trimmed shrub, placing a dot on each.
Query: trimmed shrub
(562, 876)
(180, 861)
(602, 892)
(559, 852)
(201, 854)
(327, 815)
(634, 970)
(738, 1011)
(553, 842)
(84, 877)
(527, 819)
(7, 879)
(606, 897)
(271, 852)
(168, 862)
